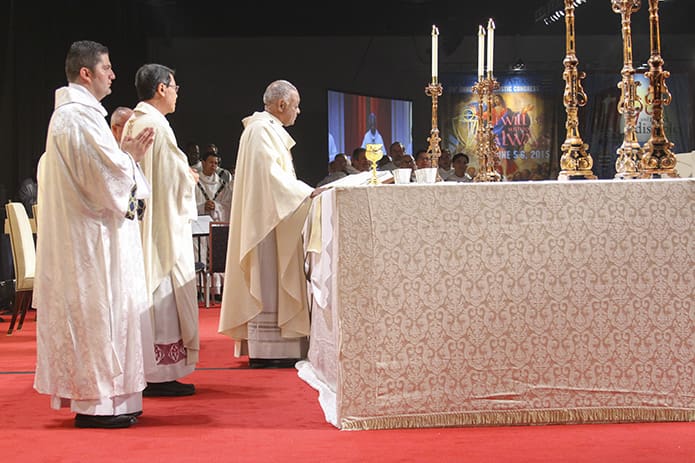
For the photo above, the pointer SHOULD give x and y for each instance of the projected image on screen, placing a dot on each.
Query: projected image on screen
(355, 120)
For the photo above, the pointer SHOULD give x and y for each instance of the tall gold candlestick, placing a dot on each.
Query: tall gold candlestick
(434, 90)
(629, 153)
(657, 158)
(575, 162)
(488, 149)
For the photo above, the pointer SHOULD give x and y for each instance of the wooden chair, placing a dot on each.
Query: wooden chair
(24, 257)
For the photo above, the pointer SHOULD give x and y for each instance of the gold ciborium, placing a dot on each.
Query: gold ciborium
(374, 154)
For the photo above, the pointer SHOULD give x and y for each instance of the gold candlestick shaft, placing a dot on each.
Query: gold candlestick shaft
(657, 158)
(488, 149)
(575, 161)
(629, 105)
(434, 90)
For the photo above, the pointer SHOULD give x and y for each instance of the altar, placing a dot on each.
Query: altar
(503, 303)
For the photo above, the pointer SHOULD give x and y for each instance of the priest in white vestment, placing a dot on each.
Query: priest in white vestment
(89, 287)
(167, 237)
(213, 197)
(264, 299)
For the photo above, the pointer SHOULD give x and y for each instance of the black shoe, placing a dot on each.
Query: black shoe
(168, 389)
(104, 422)
(272, 363)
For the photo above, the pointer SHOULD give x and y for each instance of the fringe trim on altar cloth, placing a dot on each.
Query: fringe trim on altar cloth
(521, 417)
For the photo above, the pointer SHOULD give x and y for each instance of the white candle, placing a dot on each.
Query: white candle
(481, 53)
(435, 52)
(490, 45)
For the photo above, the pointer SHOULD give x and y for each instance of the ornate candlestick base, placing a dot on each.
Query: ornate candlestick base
(658, 160)
(576, 162)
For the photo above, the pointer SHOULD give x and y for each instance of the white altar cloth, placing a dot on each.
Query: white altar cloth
(460, 304)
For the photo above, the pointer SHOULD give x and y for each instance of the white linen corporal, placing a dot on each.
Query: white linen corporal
(89, 287)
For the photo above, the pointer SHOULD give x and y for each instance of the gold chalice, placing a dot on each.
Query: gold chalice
(374, 154)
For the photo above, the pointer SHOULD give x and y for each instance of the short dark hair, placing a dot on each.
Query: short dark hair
(148, 77)
(207, 154)
(460, 155)
(83, 54)
(358, 152)
(419, 153)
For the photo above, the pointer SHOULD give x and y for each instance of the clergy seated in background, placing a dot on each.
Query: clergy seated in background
(422, 160)
(395, 153)
(359, 160)
(213, 196)
(337, 168)
(445, 164)
(407, 162)
(459, 174)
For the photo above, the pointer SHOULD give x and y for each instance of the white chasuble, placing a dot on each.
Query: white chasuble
(89, 288)
(267, 196)
(167, 238)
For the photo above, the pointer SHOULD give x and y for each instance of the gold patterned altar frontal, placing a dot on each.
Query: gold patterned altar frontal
(511, 303)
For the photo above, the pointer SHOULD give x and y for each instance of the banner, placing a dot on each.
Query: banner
(602, 126)
(522, 122)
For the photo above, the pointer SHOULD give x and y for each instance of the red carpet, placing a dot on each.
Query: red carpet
(244, 415)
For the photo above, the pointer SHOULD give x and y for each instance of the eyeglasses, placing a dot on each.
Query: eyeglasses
(175, 87)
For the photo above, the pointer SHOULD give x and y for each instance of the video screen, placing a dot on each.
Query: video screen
(355, 120)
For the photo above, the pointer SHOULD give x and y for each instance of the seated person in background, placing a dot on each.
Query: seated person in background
(407, 162)
(422, 159)
(444, 161)
(213, 196)
(384, 163)
(359, 159)
(460, 163)
(336, 169)
(395, 153)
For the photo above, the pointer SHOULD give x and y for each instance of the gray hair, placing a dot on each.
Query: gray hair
(120, 115)
(148, 77)
(278, 90)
